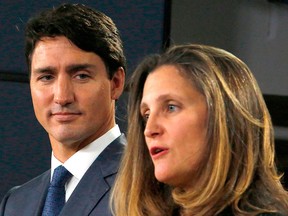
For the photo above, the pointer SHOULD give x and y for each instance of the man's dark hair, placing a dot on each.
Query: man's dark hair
(88, 29)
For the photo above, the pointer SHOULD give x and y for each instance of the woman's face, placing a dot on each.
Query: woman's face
(176, 125)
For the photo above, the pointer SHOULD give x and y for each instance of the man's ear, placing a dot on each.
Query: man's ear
(117, 83)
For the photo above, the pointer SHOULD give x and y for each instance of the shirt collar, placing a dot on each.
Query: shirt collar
(79, 163)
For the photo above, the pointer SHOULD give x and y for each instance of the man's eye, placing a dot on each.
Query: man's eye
(46, 77)
(82, 76)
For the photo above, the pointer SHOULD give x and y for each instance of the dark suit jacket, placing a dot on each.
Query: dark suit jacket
(90, 197)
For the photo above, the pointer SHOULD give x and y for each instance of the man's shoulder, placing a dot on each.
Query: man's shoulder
(107, 163)
(30, 186)
(121, 139)
(22, 196)
(115, 149)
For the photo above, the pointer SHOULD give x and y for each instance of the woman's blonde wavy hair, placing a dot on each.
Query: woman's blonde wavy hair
(239, 172)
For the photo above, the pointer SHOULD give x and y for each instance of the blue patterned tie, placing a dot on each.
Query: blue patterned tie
(55, 199)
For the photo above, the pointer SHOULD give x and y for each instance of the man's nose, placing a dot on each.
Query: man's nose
(63, 91)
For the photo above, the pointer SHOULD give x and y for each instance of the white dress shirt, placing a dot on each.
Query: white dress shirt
(79, 163)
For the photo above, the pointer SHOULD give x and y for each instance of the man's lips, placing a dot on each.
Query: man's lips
(65, 116)
(65, 113)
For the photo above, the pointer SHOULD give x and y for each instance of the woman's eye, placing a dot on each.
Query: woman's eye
(172, 108)
(146, 116)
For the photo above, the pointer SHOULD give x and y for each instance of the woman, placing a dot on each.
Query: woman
(200, 139)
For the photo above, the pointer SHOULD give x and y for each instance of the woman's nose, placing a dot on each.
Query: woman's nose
(153, 126)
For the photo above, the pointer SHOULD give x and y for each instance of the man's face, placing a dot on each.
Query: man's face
(72, 96)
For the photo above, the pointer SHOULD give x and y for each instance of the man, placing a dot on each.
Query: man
(76, 63)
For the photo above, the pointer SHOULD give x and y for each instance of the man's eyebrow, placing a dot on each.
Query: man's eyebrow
(76, 67)
(44, 70)
(70, 69)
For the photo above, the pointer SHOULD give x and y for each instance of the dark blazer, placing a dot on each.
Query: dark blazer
(90, 197)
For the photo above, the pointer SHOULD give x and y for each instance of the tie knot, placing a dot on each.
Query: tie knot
(60, 176)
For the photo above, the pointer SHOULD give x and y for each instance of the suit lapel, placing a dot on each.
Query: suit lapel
(96, 183)
(41, 189)
(87, 193)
